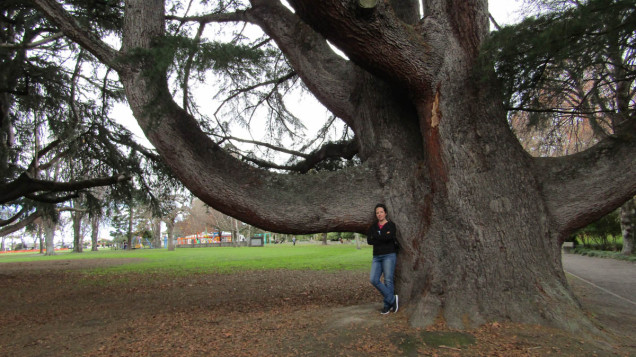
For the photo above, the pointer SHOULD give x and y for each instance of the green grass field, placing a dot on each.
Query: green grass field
(202, 260)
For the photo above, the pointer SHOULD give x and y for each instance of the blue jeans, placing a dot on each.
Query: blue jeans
(384, 264)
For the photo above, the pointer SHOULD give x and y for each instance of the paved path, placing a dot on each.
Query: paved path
(613, 277)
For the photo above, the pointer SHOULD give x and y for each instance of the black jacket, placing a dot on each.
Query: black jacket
(383, 240)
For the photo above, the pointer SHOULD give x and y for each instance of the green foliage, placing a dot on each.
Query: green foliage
(223, 56)
(536, 59)
(608, 225)
(604, 254)
(105, 16)
(334, 236)
(601, 234)
(176, 50)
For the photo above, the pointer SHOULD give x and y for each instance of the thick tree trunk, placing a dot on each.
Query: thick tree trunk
(95, 220)
(41, 238)
(235, 232)
(156, 233)
(129, 234)
(78, 240)
(628, 226)
(170, 229)
(49, 235)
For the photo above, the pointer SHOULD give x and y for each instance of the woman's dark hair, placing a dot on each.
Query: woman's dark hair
(383, 207)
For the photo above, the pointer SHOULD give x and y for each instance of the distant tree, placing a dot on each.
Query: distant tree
(628, 226)
(599, 231)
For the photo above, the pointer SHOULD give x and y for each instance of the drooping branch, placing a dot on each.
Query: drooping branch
(327, 75)
(343, 150)
(123, 140)
(274, 82)
(575, 187)
(212, 174)
(34, 44)
(26, 185)
(52, 145)
(267, 145)
(31, 218)
(188, 67)
(21, 224)
(4, 222)
(51, 198)
(238, 16)
(72, 29)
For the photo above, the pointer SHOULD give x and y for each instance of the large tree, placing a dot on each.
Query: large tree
(481, 221)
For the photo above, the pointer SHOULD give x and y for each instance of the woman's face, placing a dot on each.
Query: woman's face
(380, 214)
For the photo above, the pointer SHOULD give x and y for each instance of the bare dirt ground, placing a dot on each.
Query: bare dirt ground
(57, 309)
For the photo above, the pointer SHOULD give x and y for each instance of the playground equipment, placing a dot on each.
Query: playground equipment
(204, 239)
(267, 237)
(140, 243)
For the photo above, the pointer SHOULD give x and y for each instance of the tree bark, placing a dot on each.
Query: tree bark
(129, 234)
(235, 232)
(628, 226)
(49, 235)
(170, 229)
(78, 239)
(40, 238)
(156, 233)
(95, 221)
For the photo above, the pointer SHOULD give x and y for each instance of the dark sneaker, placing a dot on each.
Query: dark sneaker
(385, 310)
(395, 306)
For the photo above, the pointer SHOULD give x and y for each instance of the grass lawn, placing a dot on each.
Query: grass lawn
(221, 259)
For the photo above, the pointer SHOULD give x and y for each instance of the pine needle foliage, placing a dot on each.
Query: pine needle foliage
(543, 61)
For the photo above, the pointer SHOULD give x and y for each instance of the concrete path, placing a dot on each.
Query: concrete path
(614, 277)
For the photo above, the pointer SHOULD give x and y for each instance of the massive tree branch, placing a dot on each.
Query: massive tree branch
(290, 203)
(384, 44)
(583, 187)
(72, 29)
